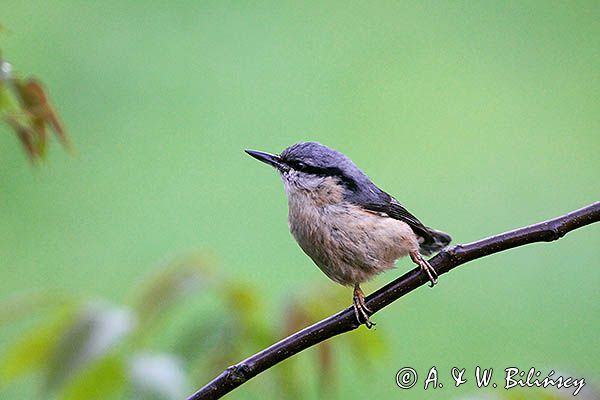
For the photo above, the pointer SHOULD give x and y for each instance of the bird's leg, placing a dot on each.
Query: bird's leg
(361, 311)
(421, 262)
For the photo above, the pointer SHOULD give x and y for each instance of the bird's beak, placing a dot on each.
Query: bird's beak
(271, 159)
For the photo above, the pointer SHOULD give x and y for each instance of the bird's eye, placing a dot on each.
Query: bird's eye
(298, 165)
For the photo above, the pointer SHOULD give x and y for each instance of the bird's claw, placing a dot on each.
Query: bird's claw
(431, 273)
(425, 266)
(361, 311)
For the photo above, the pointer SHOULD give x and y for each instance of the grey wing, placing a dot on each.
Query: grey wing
(392, 207)
(380, 201)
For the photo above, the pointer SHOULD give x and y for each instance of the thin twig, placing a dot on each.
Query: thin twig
(345, 320)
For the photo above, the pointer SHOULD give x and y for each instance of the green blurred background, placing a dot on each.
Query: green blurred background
(479, 116)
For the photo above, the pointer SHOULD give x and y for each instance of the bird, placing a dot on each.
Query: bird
(349, 227)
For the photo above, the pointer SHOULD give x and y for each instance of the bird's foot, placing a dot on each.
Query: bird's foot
(361, 311)
(425, 266)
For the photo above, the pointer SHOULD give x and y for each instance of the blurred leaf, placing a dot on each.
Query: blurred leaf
(95, 331)
(157, 377)
(197, 338)
(25, 304)
(243, 301)
(25, 135)
(33, 349)
(5, 70)
(241, 296)
(286, 374)
(102, 378)
(170, 284)
(366, 345)
(35, 100)
(7, 102)
(248, 315)
(300, 314)
(227, 339)
(25, 107)
(327, 378)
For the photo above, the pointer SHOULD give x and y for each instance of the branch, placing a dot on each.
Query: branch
(345, 320)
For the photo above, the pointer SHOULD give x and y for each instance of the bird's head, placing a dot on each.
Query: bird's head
(308, 165)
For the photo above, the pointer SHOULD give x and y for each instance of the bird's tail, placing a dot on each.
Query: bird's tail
(434, 241)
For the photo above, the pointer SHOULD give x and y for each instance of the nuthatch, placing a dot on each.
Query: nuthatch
(348, 226)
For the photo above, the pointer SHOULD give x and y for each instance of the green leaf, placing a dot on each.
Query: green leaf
(172, 283)
(33, 349)
(6, 102)
(95, 332)
(103, 378)
(366, 345)
(26, 304)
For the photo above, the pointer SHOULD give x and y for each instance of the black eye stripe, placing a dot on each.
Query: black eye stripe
(297, 165)
(323, 171)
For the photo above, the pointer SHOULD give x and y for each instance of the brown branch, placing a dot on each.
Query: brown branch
(345, 320)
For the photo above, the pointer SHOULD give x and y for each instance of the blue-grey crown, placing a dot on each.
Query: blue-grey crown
(317, 155)
(315, 158)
